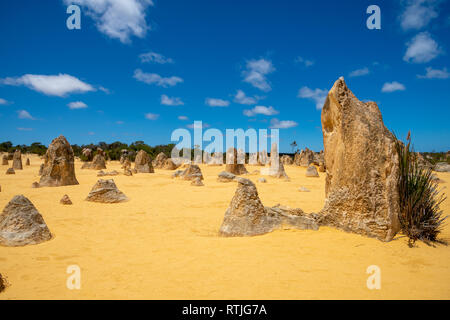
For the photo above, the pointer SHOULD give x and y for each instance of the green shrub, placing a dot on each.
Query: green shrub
(420, 215)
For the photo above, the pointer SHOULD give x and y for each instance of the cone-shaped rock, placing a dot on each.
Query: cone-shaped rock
(143, 163)
(311, 171)
(65, 200)
(58, 169)
(361, 164)
(21, 224)
(99, 162)
(235, 164)
(170, 165)
(276, 168)
(160, 160)
(106, 191)
(10, 171)
(17, 160)
(192, 172)
(27, 163)
(5, 160)
(246, 215)
(286, 160)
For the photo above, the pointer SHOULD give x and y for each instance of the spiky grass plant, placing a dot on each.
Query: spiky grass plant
(420, 215)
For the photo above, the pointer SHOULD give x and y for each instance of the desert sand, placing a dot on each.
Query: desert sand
(164, 244)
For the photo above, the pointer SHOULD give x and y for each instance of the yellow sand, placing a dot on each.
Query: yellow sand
(163, 244)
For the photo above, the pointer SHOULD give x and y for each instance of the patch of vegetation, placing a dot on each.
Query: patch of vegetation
(420, 215)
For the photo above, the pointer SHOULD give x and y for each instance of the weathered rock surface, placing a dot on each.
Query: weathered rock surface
(10, 171)
(235, 164)
(27, 163)
(304, 158)
(276, 168)
(102, 173)
(17, 160)
(442, 167)
(143, 163)
(127, 172)
(21, 224)
(41, 169)
(286, 160)
(246, 215)
(5, 160)
(65, 200)
(160, 160)
(362, 167)
(170, 165)
(99, 162)
(225, 176)
(106, 191)
(192, 172)
(35, 185)
(311, 171)
(58, 168)
(263, 158)
(197, 182)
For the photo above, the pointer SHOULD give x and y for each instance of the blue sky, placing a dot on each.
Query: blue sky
(137, 69)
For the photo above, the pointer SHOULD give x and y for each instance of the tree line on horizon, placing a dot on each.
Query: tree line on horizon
(113, 150)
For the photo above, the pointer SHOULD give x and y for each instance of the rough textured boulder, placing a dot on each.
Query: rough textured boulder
(99, 162)
(304, 158)
(5, 160)
(276, 168)
(197, 182)
(87, 153)
(41, 169)
(65, 200)
(234, 165)
(10, 171)
(160, 160)
(362, 166)
(442, 167)
(142, 163)
(169, 165)
(106, 191)
(21, 224)
(311, 171)
(102, 173)
(263, 158)
(286, 160)
(59, 169)
(225, 176)
(191, 172)
(17, 160)
(246, 215)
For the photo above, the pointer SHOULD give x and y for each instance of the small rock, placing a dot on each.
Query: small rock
(10, 171)
(262, 180)
(35, 185)
(303, 189)
(65, 200)
(311, 171)
(106, 191)
(226, 176)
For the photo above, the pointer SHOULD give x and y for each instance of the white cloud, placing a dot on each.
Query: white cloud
(359, 72)
(418, 13)
(153, 78)
(24, 114)
(285, 124)
(184, 118)
(118, 19)
(171, 101)
(77, 105)
(305, 62)
(241, 98)
(393, 86)
(4, 102)
(212, 102)
(54, 85)
(256, 72)
(435, 74)
(422, 48)
(151, 116)
(267, 111)
(317, 95)
(155, 58)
